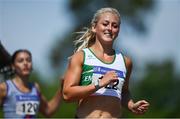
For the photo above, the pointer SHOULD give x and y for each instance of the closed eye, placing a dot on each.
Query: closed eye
(105, 24)
(115, 25)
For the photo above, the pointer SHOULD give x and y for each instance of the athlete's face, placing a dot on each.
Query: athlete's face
(107, 27)
(23, 64)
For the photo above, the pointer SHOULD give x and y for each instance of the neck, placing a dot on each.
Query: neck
(21, 80)
(103, 48)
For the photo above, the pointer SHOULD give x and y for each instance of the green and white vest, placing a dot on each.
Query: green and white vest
(94, 69)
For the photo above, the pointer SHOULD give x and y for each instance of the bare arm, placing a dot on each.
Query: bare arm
(139, 107)
(3, 92)
(72, 91)
(48, 108)
(126, 96)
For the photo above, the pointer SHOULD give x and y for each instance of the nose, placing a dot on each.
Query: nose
(109, 27)
(25, 63)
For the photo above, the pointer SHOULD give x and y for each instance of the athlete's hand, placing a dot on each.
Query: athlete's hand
(140, 107)
(109, 77)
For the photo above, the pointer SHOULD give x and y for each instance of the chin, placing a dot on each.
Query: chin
(108, 39)
(26, 73)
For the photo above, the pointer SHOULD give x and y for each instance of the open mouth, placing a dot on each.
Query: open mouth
(108, 34)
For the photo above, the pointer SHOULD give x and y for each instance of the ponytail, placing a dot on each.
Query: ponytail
(5, 57)
(85, 39)
(5, 63)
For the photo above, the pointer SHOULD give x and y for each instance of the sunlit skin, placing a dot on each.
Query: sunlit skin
(106, 30)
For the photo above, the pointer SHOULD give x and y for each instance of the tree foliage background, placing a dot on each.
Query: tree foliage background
(159, 83)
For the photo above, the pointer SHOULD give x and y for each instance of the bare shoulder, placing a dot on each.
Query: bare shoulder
(73, 72)
(3, 86)
(3, 89)
(128, 62)
(37, 86)
(77, 58)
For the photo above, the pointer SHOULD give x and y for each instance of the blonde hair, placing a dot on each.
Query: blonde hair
(86, 37)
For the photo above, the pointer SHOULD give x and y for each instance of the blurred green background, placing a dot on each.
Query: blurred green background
(155, 81)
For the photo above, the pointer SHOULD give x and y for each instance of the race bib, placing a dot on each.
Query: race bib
(98, 73)
(27, 105)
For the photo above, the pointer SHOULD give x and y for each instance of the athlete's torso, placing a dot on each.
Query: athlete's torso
(18, 104)
(94, 69)
(99, 107)
(105, 102)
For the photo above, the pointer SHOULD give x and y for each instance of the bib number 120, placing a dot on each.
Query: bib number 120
(27, 108)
